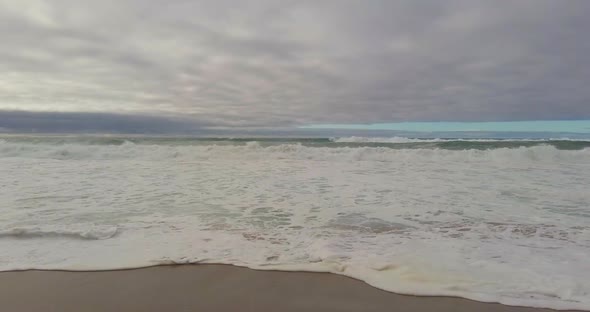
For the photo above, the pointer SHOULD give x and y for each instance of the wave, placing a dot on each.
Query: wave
(95, 233)
(393, 140)
(255, 150)
(355, 139)
(422, 221)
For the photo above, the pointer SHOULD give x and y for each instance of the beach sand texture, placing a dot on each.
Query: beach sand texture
(211, 288)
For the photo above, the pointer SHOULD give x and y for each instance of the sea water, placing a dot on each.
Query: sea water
(490, 220)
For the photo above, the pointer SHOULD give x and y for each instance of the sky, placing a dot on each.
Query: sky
(186, 66)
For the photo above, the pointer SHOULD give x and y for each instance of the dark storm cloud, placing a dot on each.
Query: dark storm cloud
(51, 122)
(286, 63)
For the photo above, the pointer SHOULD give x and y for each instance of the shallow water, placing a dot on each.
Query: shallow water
(494, 220)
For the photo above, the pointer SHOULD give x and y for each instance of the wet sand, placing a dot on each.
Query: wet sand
(211, 288)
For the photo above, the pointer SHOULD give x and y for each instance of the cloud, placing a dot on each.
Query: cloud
(52, 122)
(288, 63)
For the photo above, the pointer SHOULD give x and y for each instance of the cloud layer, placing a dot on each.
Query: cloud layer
(60, 122)
(289, 63)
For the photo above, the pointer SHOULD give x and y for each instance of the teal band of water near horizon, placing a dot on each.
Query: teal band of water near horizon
(569, 126)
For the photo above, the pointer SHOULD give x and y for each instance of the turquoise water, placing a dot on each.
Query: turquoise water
(564, 126)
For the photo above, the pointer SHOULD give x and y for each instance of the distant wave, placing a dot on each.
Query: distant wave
(255, 150)
(356, 139)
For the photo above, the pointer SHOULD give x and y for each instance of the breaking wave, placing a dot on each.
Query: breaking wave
(255, 150)
(357, 139)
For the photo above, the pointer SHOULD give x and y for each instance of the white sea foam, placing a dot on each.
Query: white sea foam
(70, 231)
(504, 225)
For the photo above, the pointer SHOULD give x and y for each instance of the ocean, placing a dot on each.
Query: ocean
(495, 220)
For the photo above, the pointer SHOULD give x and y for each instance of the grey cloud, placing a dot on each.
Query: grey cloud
(288, 63)
(59, 122)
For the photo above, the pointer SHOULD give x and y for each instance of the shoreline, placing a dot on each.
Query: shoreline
(212, 287)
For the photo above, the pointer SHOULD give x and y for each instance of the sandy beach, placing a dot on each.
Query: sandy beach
(211, 288)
